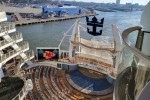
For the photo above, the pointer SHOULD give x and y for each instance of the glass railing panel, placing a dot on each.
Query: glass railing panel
(4, 42)
(3, 15)
(133, 79)
(127, 58)
(29, 55)
(134, 71)
(13, 38)
(17, 36)
(132, 37)
(98, 58)
(6, 26)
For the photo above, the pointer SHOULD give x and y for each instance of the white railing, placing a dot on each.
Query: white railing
(108, 61)
(13, 39)
(13, 52)
(97, 44)
(29, 55)
(97, 68)
(17, 36)
(3, 15)
(6, 27)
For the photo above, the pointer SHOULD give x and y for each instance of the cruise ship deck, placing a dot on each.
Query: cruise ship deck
(107, 68)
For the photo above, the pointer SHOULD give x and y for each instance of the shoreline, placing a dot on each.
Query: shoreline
(52, 19)
(23, 21)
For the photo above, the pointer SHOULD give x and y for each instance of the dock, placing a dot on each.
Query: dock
(52, 19)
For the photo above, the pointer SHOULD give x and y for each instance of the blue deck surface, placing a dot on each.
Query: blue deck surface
(94, 84)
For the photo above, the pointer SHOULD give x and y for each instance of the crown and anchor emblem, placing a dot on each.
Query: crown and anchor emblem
(94, 23)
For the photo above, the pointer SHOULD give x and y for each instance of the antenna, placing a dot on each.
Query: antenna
(28, 2)
(132, 6)
(59, 1)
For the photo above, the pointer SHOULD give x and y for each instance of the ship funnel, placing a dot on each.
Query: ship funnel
(145, 18)
(145, 48)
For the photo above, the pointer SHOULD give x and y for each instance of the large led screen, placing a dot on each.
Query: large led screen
(48, 53)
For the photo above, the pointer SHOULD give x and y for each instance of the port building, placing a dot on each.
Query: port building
(68, 9)
(118, 2)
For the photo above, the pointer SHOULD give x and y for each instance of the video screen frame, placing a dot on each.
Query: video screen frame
(50, 51)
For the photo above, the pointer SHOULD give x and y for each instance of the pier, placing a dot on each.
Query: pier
(23, 21)
(52, 19)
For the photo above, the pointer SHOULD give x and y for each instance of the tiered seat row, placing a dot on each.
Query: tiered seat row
(34, 93)
(67, 88)
(42, 89)
(92, 61)
(50, 84)
(45, 82)
(100, 66)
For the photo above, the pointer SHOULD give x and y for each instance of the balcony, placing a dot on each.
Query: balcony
(95, 60)
(11, 54)
(29, 56)
(7, 27)
(134, 70)
(102, 44)
(14, 39)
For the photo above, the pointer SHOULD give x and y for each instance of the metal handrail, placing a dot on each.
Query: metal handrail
(133, 49)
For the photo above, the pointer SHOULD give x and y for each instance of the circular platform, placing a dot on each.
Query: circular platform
(89, 85)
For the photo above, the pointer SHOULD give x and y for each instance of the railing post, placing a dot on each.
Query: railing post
(19, 97)
(139, 39)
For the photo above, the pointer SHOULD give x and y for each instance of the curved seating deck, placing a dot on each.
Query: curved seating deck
(51, 84)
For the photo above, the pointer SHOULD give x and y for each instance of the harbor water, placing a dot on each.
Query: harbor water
(50, 34)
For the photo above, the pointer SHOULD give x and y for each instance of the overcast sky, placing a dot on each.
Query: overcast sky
(113, 1)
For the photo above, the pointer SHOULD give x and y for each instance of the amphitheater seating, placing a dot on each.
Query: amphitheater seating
(92, 61)
(34, 91)
(51, 84)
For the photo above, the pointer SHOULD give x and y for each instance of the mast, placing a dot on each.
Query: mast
(75, 37)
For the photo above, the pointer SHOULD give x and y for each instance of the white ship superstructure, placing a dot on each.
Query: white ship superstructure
(13, 54)
(101, 54)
